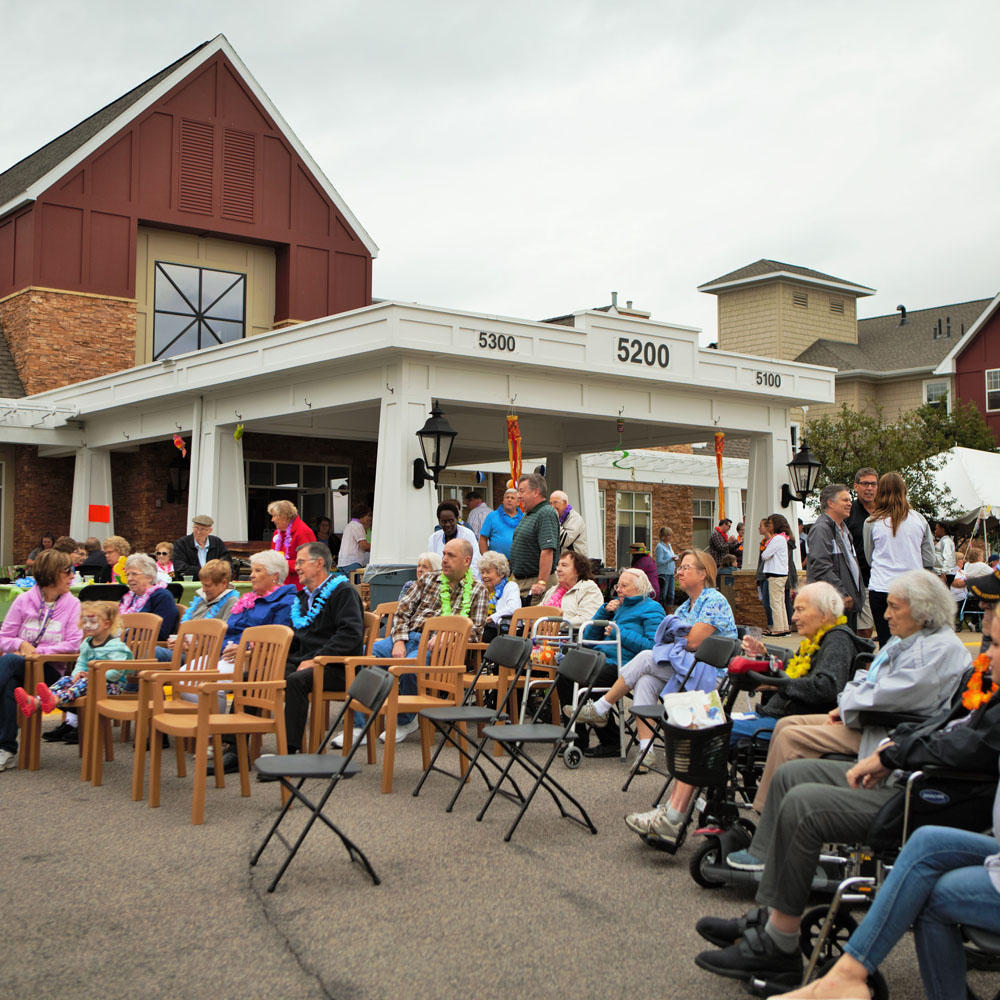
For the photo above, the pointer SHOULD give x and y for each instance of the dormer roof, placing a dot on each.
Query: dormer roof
(765, 270)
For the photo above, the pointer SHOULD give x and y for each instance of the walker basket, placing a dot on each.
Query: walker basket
(698, 756)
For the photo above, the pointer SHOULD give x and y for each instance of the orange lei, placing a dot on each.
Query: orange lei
(973, 696)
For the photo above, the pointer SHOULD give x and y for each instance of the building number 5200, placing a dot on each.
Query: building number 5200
(643, 352)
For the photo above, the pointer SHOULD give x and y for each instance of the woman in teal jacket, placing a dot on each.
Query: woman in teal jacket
(637, 616)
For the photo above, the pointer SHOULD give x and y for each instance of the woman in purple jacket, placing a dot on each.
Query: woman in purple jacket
(45, 619)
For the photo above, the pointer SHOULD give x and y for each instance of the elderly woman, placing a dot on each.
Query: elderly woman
(642, 560)
(116, 551)
(215, 599)
(505, 597)
(44, 619)
(638, 617)
(575, 594)
(290, 532)
(916, 672)
(165, 561)
(818, 672)
(147, 594)
(268, 603)
(427, 562)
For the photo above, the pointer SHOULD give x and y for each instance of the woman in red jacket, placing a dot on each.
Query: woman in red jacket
(290, 532)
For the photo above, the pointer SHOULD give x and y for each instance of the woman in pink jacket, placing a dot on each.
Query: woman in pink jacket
(45, 619)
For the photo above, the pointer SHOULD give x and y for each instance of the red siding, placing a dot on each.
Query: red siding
(971, 366)
(206, 158)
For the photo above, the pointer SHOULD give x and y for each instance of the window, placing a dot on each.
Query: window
(633, 522)
(196, 307)
(316, 490)
(702, 515)
(800, 299)
(936, 393)
(993, 389)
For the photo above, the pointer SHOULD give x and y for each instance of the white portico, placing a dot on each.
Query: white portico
(371, 374)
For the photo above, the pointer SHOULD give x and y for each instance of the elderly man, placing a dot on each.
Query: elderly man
(192, 551)
(536, 540)
(572, 530)
(865, 486)
(453, 591)
(329, 621)
(498, 529)
(831, 551)
(815, 802)
(479, 510)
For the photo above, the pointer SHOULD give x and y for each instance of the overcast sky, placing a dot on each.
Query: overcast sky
(527, 158)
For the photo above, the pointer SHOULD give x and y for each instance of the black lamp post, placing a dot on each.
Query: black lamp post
(436, 438)
(803, 470)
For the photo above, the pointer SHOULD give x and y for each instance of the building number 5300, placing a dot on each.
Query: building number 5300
(643, 352)
(497, 341)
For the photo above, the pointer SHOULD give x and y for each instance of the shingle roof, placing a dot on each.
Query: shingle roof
(10, 382)
(884, 346)
(764, 267)
(18, 178)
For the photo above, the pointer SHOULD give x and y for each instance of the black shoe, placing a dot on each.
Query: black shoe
(72, 737)
(59, 734)
(230, 762)
(603, 750)
(752, 955)
(722, 932)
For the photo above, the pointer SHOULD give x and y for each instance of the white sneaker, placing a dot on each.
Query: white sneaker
(643, 822)
(7, 760)
(403, 731)
(338, 740)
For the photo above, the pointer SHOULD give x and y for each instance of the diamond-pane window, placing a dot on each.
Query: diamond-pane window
(196, 307)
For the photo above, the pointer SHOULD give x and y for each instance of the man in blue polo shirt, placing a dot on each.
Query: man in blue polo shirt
(497, 531)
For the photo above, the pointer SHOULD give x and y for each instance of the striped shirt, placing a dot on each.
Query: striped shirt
(423, 601)
(537, 530)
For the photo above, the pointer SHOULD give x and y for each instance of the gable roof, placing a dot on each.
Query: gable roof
(947, 365)
(886, 348)
(769, 270)
(28, 178)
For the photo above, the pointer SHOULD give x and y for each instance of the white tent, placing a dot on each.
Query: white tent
(974, 480)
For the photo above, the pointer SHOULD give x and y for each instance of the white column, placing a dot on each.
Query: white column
(403, 516)
(217, 486)
(91, 485)
(767, 470)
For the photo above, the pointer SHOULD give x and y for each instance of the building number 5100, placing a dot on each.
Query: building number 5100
(643, 352)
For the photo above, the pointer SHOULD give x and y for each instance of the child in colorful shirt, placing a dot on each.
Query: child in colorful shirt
(101, 627)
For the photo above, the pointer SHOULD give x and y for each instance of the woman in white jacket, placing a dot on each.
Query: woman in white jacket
(897, 539)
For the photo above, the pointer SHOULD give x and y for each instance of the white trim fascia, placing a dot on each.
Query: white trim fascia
(802, 279)
(947, 366)
(883, 376)
(218, 44)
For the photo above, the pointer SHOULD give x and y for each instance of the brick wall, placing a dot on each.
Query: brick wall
(43, 494)
(57, 338)
(671, 508)
(140, 481)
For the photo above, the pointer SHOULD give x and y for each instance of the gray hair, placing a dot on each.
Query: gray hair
(431, 559)
(929, 599)
(317, 550)
(824, 598)
(273, 563)
(143, 563)
(642, 583)
(495, 561)
(536, 482)
(830, 491)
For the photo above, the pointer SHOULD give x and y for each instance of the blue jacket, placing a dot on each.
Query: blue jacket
(637, 619)
(273, 609)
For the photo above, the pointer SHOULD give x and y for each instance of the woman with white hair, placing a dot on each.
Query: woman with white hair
(818, 672)
(146, 593)
(505, 597)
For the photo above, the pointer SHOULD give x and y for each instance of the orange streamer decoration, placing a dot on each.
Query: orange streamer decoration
(514, 450)
(720, 445)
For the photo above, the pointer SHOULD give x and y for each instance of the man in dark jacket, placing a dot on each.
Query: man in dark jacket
(831, 551)
(865, 487)
(192, 551)
(814, 802)
(719, 543)
(329, 621)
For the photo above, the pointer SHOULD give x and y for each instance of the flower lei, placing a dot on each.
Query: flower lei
(299, 620)
(445, 586)
(973, 696)
(214, 609)
(801, 663)
(130, 602)
(498, 591)
(248, 600)
(283, 540)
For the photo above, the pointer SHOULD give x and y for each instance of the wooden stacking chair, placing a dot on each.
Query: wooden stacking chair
(368, 693)
(202, 653)
(319, 701)
(29, 757)
(439, 671)
(258, 707)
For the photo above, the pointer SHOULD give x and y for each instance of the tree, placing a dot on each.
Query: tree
(851, 440)
(964, 427)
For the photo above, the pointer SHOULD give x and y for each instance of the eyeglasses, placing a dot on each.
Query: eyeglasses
(162, 552)
(871, 482)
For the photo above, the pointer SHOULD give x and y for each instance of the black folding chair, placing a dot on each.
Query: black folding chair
(103, 592)
(505, 652)
(581, 666)
(369, 691)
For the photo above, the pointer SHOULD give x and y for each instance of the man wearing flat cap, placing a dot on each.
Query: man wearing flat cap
(192, 551)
